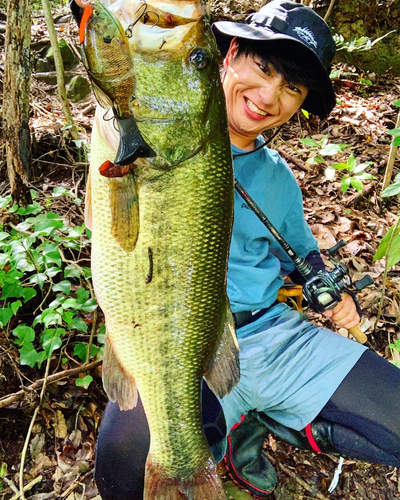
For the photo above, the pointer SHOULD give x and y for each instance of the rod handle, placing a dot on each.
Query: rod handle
(358, 334)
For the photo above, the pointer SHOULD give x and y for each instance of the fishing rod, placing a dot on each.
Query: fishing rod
(322, 289)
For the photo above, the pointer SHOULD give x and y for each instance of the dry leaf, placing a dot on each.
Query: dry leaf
(60, 425)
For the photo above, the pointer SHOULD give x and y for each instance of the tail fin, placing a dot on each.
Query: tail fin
(204, 485)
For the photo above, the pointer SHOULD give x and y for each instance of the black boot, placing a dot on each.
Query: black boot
(317, 436)
(245, 459)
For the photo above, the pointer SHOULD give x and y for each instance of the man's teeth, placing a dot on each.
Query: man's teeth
(254, 108)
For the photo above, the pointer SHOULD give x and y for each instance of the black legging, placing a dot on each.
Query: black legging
(365, 411)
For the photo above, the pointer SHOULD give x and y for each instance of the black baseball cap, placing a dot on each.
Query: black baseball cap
(293, 23)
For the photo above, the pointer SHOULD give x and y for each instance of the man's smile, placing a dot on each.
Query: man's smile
(260, 114)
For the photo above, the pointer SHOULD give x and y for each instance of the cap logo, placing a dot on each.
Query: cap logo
(306, 35)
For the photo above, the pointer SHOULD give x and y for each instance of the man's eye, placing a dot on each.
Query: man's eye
(264, 67)
(293, 88)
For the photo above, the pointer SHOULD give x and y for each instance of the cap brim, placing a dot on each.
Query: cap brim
(319, 102)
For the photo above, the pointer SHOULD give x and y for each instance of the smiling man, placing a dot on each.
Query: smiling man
(303, 383)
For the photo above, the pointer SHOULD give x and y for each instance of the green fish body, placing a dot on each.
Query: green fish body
(160, 244)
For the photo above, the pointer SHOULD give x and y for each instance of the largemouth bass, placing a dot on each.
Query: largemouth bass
(160, 243)
(107, 59)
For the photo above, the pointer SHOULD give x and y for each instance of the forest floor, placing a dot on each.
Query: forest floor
(60, 458)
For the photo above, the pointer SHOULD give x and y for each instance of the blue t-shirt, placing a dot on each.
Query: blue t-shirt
(257, 262)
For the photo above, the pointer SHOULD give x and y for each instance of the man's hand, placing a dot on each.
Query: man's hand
(345, 313)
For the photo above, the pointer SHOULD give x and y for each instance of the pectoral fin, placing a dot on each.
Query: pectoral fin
(224, 372)
(124, 211)
(119, 386)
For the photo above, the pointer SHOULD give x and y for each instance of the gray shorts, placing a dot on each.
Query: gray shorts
(289, 368)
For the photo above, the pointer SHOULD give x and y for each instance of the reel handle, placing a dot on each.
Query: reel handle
(358, 334)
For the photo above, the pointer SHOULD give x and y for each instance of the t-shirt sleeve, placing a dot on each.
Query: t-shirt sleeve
(296, 232)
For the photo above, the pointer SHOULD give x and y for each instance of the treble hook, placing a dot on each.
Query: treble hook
(144, 14)
(129, 31)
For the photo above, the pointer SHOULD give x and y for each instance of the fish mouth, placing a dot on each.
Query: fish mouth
(151, 111)
(255, 109)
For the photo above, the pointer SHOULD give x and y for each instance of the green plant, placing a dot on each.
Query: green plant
(46, 294)
(395, 132)
(395, 348)
(356, 173)
(360, 44)
(321, 148)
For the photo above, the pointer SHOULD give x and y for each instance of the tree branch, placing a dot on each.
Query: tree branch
(7, 400)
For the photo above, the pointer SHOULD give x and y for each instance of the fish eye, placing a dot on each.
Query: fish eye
(199, 58)
(107, 39)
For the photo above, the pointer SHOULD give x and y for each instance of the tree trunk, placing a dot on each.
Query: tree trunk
(17, 74)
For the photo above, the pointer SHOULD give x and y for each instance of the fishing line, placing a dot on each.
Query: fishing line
(259, 147)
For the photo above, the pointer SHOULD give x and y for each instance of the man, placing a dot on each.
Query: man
(305, 384)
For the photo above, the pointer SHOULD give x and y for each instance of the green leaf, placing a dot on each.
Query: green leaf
(318, 159)
(80, 350)
(63, 286)
(362, 166)
(396, 141)
(67, 317)
(71, 271)
(48, 227)
(4, 259)
(12, 290)
(53, 258)
(25, 334)
(84, 382)
(356, 183)
(393, 131)
(53, 271)
(364, 176)
(15, 306)
(310, 143)
(305, 113)
(87, 272)
(82, 294)
(78, 324)
(38, 279)
(28, 355)
(383, 245)
(89, 306)
(70, 303)
(6, 314)
(29, 293)
(76, 232)
(324, 141)
(50, 317)
(51, 343)
(397, 103)
(331, 149)
(59, 191)
(391, 190)
(345, 184)
(352, 162)
(34, 208)
(340, 166)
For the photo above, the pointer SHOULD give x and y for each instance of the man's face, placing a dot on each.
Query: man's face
(257, 97)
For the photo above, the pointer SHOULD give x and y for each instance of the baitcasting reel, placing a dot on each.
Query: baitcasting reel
(323, 290)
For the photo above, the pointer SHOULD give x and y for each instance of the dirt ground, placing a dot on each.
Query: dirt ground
(60, 458)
